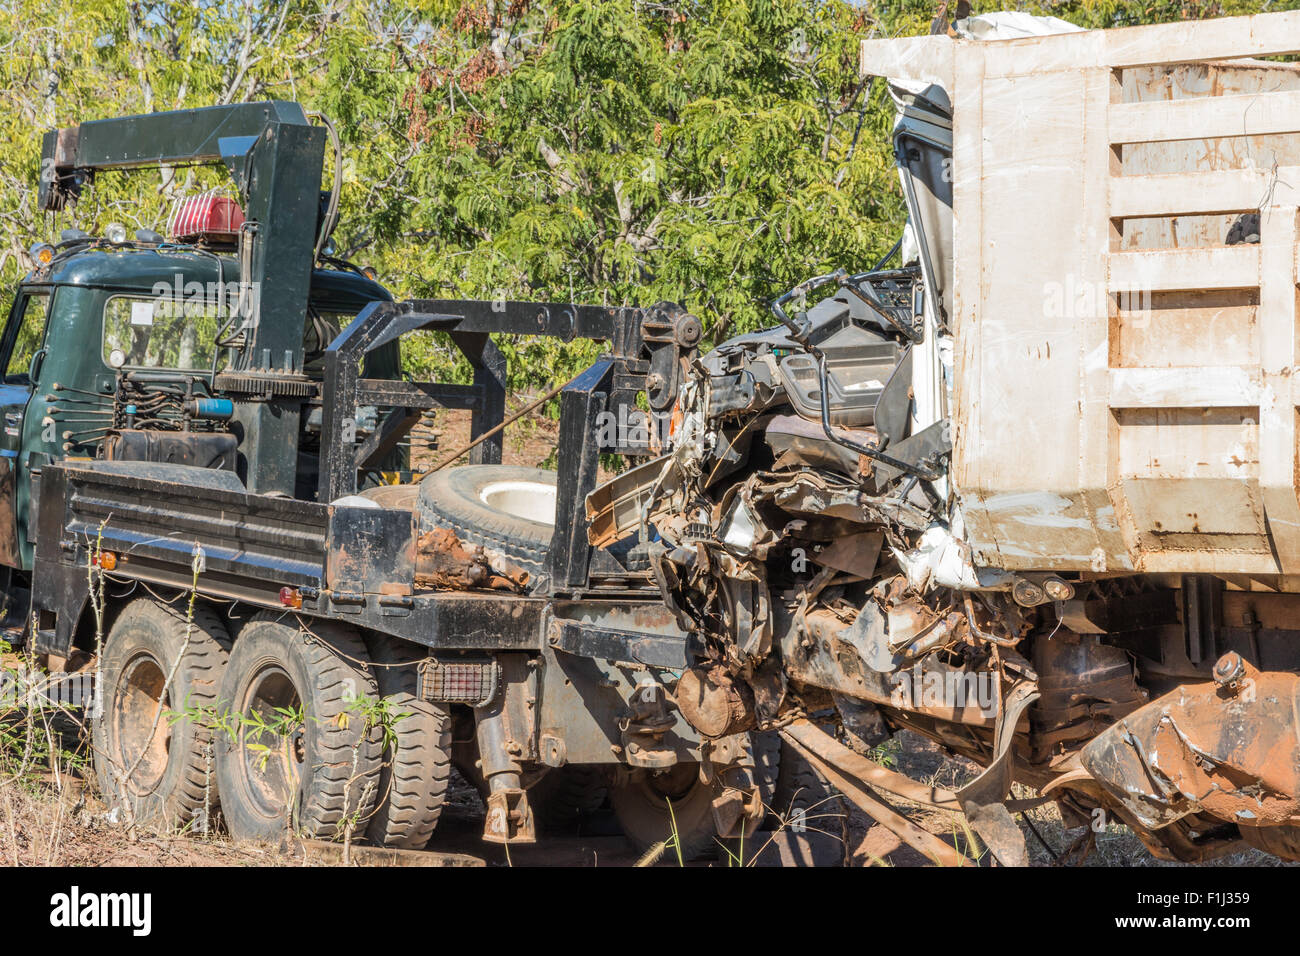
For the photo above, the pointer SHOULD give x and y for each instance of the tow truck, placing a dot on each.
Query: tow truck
(201, 433)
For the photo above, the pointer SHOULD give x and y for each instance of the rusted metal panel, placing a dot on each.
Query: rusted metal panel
(1125, 301)
(584, 703)
(1229, 749)
(371, 551)
(836, 657)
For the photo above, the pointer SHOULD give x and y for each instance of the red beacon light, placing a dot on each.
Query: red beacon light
(208, 218)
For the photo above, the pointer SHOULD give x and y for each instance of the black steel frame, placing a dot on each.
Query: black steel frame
(646, 350)
(338, 558)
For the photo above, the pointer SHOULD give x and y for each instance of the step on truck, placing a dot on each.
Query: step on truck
(202, 434)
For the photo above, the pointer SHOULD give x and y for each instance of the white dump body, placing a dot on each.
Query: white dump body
(1123, 392)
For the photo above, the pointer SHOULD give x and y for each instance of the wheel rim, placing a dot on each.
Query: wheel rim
(143, 734)
(532, 500)
(271, 753)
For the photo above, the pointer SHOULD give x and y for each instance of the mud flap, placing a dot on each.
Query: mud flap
(737, 806)
(737, 813)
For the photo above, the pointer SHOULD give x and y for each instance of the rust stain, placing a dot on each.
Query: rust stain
(443, 562)
(1229, 749)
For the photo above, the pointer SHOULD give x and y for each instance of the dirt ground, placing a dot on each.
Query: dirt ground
(49, 819)
(529, 442)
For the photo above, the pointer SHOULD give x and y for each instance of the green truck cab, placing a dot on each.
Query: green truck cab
(98, 310)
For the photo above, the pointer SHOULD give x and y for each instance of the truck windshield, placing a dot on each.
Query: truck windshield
(30, 319)
(151, 332)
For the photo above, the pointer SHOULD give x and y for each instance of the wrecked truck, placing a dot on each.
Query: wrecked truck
(1026, 488)
(1029, 486)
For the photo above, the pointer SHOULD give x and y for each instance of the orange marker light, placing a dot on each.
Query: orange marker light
(290, 597)
(106, 560)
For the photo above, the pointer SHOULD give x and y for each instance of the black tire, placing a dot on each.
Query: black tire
(767, 749)
(15, 607)
(803, 795)
(325, 773)
(170, 782)
(567, 796)
(453, 498)
(413, 778)
(641, 805)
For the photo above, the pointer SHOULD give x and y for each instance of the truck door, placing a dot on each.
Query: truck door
(21, 354)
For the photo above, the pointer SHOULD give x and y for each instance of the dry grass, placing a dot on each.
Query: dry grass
(58, 820)
(43, 825)
(51, 813)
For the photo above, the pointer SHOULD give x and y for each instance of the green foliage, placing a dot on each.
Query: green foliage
(620, 152)
(711, 153)
(39, 722)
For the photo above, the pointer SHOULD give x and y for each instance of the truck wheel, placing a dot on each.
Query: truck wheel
(417, 763)
(504, 508)
(803, 797)
(567, 795)
(304, 750)
(158, 766)
(641, 805)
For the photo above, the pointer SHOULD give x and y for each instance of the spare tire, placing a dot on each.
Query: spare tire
(501, 507)
(396, 497)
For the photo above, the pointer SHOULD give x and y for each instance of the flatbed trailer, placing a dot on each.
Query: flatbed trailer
(353, 562)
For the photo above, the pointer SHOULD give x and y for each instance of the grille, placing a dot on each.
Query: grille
(459, 682)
